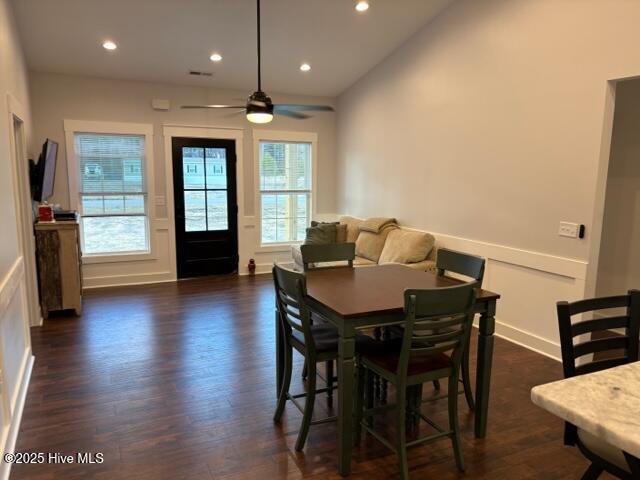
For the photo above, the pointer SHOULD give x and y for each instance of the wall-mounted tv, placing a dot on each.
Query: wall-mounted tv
(43, 173)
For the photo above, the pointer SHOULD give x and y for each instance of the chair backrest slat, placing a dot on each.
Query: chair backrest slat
(598, 365)
(460, 263)
(333, 252)
(627, 342)
(599, 345)
(596, 324)
(291, 289)
(437, 321)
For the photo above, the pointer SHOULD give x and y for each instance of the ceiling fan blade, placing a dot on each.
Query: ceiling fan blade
(303, 108)
(212, 106)
(291, 114)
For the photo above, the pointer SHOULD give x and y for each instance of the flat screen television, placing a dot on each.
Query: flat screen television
(43, 173)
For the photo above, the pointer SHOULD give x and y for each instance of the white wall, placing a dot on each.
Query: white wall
(59, 97)
(487, 126)
(15, 344)
(619, 265)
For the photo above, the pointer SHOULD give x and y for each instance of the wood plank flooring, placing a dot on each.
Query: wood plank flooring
(176, 381)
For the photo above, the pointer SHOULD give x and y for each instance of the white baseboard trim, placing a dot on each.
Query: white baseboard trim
(14, 428)
(122, 280)
(527, 340)
(265, 268)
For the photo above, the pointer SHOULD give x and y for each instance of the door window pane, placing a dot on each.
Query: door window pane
(193, 167)
(195, 219)
(114, 234)
(216, 168)
(217, 214)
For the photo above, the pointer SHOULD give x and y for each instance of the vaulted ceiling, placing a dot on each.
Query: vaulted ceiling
(161, 40)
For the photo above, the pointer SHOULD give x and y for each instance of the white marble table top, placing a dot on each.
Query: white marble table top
(604, 403)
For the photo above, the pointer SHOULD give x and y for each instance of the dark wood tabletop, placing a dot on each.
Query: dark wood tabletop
(374, 290)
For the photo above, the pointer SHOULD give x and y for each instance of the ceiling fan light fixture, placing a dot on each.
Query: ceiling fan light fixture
(259, 108)
(362, 6)
(260, 117)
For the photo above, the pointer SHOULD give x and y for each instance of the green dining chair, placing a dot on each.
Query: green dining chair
(472, 267)
(312, 255)
(316, 257)
(436, 330)
(465, 265)
(316, 343)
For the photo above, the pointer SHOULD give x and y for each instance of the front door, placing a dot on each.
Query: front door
(206, 209)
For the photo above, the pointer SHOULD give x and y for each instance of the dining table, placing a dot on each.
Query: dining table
(605, 403)
(367, 297)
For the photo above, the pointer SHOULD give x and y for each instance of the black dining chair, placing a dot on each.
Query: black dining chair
(437, 324)
(608, 351)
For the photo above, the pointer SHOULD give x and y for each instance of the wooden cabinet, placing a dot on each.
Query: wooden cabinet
(59, 266)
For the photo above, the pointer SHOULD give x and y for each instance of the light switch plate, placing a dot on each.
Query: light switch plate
(568, 229)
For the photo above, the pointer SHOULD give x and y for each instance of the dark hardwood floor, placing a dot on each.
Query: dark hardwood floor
(176, 381)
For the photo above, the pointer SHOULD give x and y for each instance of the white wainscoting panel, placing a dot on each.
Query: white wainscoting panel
(16, 360)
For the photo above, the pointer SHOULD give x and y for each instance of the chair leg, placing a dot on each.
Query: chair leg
(466, 379)
(436, 384)
(593, 472)
(359, 406)
(308, 406)
(304, 370)
(369, 393)
(453, 421)
(401, 443)
(286, 382)
(329, 372)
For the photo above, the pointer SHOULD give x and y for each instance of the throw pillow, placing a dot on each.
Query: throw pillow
(406, 246)
(321, 235)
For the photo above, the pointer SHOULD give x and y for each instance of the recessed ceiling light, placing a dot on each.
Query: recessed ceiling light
(215, 57)
(305, 67)
(362, 6)
(109, 45)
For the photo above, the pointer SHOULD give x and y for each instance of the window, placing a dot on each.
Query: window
(285, 185)
(112, 193)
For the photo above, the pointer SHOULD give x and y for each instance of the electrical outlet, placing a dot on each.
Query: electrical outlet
(568, 229)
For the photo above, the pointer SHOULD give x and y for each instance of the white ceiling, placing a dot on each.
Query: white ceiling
(160, 40)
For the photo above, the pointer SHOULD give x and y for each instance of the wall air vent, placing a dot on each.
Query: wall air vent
(197, 73)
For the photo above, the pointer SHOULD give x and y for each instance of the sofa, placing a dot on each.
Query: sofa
(382, 241)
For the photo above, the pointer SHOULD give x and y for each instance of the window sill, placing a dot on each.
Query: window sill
(116, 257)
(276, 247)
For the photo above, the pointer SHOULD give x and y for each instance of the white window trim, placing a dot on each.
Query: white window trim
(71, 127)
(282, 136)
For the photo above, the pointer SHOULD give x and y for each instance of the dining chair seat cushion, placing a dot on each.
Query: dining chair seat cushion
(603, 449)
(418, 364)
(326, 339)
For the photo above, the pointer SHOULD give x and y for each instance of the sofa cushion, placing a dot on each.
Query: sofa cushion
(362, 262)
(353, 227)
(369, 245)
(321, 234)
(406, 246)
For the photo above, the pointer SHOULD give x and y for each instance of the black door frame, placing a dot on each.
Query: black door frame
(177, 188)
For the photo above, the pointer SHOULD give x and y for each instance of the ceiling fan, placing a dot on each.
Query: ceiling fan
(260, 108)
